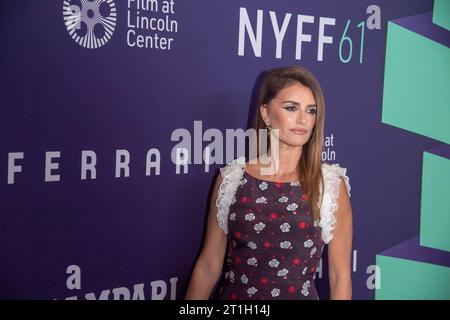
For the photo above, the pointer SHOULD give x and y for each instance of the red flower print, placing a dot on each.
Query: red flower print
(244, 199)
(296, 261)
(234, 296)
(302, 225)
(267, 244)
(264, 280)
(313, 269)
(237, 234)
(273, 215)
(304, 197)
(291, 289)
(278, 184)
(237, 259)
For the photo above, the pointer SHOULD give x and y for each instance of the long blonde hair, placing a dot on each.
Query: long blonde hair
(309, 166)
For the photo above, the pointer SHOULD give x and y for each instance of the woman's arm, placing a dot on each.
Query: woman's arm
(208, 267)
(340, 248)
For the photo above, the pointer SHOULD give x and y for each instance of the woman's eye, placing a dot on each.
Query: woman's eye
(312, 111)
(291, 108)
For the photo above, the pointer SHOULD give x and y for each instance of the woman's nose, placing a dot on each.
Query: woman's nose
(301, 118)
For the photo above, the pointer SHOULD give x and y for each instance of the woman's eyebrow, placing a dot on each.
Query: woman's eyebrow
(293, 102)
(298, 103)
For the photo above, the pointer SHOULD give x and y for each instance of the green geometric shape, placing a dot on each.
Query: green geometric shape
(435, 202)
(416, 93)
(441, 13)
(402, 279)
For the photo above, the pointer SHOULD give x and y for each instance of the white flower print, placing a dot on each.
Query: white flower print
(234, 200)
(259, 226)
(261, 200)
(285, 227)
(292, 207)
(304, 270)
(233, 243)
(305, 290)
(252, 261)
(308, 243)
(283, 199)
(263, 185)
(274, 263)
(243, 181)
(233, 216)
(285, 245)
(296, 183)
(249, 217)
(251, 291)
(231, 276)
(227, 274)
(251, 245)
(314, 250)
(244, 279)
(282, 272)
(275, 292)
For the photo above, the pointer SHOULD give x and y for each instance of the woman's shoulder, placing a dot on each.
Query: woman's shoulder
(232, 171)
(239, 162)
(234, 167)
(231, 174)
(334, 168)
(332, 175)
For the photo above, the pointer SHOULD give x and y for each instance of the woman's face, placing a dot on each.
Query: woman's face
(292, 109)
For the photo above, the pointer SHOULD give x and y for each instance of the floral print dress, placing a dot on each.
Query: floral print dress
(274, 245)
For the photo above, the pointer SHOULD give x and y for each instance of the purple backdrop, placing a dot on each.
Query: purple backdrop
(141, 234)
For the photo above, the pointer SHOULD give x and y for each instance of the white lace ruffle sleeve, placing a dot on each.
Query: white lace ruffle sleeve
(232, 174)
(331, 175)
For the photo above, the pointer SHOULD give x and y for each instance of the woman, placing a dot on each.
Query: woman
(273, 227)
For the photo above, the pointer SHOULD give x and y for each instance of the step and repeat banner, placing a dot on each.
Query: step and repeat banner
(98, 97)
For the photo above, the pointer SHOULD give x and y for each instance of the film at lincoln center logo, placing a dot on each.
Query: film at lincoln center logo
(90, 23)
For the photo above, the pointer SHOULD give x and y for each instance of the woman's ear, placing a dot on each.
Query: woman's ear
(264, 113)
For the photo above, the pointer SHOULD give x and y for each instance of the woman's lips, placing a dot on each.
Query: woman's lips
(299, 131)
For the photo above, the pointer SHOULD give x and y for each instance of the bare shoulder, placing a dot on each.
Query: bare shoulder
(218, 181)
(344, 195)
(253, 167)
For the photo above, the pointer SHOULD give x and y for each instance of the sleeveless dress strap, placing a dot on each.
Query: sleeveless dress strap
(331, 176)
(232, 174)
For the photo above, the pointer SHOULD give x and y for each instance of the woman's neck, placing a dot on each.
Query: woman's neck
(281, 164)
